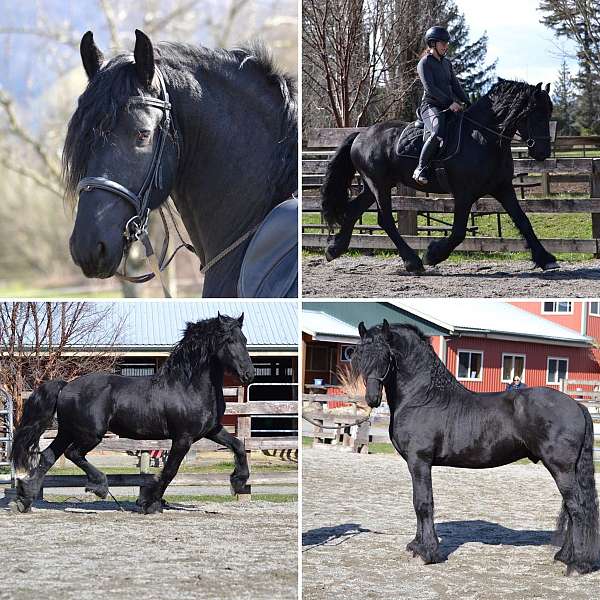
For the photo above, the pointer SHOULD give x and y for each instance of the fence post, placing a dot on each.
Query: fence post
(244, 431)
(595, 193)
(144, 462)
(407, 219)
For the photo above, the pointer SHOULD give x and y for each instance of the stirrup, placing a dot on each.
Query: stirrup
(419, 176)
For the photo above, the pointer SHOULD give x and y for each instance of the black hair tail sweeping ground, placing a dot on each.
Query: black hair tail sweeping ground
(587, 499)
(37, 416)
(338, 177)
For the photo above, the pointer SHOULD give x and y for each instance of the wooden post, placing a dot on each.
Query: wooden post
(407, 219)
(595, 193)
(244, 432)
(545, 184)
(144, 462)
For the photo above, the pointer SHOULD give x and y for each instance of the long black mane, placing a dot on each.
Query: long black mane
(192, 353)
(108, 93)
(510, 100)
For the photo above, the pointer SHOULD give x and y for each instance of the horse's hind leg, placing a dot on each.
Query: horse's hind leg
(356, 208)
(97, 482)
(240, 474)
(29, 487)
(426, 542)
(151, 495)
(383, 195)
(564, 536)
(505, 194)
(440, 249)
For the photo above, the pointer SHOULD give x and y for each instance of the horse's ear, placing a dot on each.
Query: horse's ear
(538, 87)
(91, 56)
(144, 58)
(241, 320)
(220, 317)
(362, 330)
(547, 88)
(385, 329)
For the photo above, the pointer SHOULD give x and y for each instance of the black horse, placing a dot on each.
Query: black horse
(182, 402)
(229, 154)
(434, 420)
(387, 153)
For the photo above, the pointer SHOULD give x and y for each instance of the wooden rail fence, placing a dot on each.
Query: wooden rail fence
(243, 409)
(530, 173)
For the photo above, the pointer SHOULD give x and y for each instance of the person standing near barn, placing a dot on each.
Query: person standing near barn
(441, 90)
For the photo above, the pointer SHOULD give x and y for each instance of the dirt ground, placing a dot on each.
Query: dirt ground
(90, 551)
(495, 527)
(377, 277)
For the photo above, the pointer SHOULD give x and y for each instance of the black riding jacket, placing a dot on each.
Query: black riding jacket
(439, 82)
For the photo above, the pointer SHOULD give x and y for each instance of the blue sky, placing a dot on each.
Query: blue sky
(525, 48)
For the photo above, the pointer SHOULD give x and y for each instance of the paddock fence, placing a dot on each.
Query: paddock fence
(326, 411)
(582, 170)
(242, 408)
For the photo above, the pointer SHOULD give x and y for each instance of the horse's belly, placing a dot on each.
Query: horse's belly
(147, 429)
(481, 455)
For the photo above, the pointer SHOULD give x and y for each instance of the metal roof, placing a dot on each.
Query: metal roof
(325, 328)
(492, 318)
(159, 324)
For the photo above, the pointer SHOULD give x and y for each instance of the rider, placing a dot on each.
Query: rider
(441, 89)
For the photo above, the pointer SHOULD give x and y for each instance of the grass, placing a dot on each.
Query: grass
(218, 499)
(22, 290)
(221, 467)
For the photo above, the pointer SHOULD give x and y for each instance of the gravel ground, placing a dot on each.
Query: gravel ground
(90, 551)
(377, 277)
(495, 527)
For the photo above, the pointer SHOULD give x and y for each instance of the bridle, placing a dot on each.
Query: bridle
(391, 362)
(136, 228)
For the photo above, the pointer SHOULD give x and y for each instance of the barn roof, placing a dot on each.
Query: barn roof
(158, 325)
(325, 328)
(491, 318)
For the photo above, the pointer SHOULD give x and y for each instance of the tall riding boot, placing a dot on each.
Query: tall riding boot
(428, 151)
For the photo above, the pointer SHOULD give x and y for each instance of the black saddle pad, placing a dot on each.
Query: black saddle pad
(415, 134)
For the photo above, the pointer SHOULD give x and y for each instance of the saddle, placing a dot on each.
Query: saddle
(448, 149)
(270, 265)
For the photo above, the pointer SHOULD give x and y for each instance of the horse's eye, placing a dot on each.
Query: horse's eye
(142, 136)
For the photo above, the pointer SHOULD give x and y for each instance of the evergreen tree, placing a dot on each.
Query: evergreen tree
(565, 102)
(468, 59)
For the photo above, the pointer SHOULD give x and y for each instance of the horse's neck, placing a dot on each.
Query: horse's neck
(228, 136)
(483, 113)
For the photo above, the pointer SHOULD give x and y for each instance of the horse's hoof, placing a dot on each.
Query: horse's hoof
(153, 508)
(330, 255)
(101, 491)
(415, 268)
(238, 485)
(551, 266)
(19, 506)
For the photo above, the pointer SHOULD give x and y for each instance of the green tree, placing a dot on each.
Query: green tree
(468, 58)
(565, 102)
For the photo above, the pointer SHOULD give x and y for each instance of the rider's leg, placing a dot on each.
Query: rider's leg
(434, 120)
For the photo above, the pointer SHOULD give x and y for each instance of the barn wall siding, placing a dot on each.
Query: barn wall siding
(582, 364)
(572, 321)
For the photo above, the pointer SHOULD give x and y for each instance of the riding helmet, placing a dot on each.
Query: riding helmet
(437, 34)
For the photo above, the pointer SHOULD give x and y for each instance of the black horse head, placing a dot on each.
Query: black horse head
(374, 360)
(527, 109)
(218, 340)
(113, 134)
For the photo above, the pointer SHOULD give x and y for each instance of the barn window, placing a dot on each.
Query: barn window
(558, 369)
(595, 309)
(470, 363)
(346, 353)
(136, 369)
(557, 307)
(513, 365)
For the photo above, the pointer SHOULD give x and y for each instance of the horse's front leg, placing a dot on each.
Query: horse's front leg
(439, 250)
(356, 208)
(239, 477)
(505, 194)
(151, 495)
(426, 542)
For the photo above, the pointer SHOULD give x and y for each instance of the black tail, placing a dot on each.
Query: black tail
(338, 177)
(36, 418)
(587, 497)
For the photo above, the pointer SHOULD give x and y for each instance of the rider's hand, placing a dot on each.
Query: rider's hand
(456, 107)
